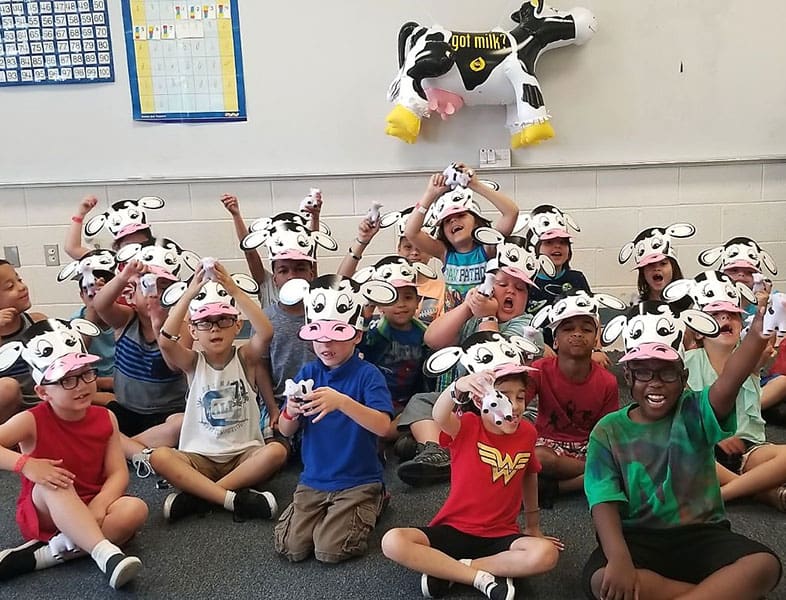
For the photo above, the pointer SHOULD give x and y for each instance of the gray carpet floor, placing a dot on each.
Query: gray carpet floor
(213, 557)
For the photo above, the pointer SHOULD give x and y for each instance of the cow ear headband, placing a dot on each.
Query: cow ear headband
(397, 271)
(84, 270)
(124, 218)
(577, 304)
(515, 255)
(481, 351)
(711, 291)
(53, 348)
(546, 222)
(212, 299)
(654, 244)
(741, 252)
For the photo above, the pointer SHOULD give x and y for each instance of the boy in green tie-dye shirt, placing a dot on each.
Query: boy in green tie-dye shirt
(651, 485)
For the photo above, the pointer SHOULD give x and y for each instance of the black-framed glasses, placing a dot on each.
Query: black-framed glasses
(222, 323)
(668, 375)
(69, 382)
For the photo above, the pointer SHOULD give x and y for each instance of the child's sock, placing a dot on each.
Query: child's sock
(482, 580)
(103, 551)
(494, 588)
(466, 561)
(229, 501)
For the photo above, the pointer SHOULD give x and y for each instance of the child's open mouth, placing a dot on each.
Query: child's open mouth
(507, 303)
(657, 278)
(724, 329)
(456, 228)
(655, 400)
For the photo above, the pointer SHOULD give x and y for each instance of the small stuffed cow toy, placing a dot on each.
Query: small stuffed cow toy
(775, 315)
(55, 347)
(442, 70)
(124, 217)
(297, 391)
(94, 264)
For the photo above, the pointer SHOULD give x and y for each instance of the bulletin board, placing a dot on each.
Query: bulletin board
(184, 60)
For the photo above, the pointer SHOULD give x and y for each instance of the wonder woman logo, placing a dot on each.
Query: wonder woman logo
(502, 466)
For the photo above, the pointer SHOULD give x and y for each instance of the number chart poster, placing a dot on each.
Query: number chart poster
(184, 61)
(54, 42)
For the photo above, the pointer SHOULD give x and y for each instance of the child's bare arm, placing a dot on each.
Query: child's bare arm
(325, 400)
(265, 386)
(620, 579)
(444, 330)
(289, 422)
(502, 202)
(413, 231)
(253, 259)
(366, 232)
(175, 354)
(263, 329)
(105, 299)
(723, 393)
(20, 429)
(443, 414)
(116, 473)
(73, 241)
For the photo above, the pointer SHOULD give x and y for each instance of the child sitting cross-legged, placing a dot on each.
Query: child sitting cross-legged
(475, 538)
(72, 501)
(221, 452)
(652, 487)
(341, 493)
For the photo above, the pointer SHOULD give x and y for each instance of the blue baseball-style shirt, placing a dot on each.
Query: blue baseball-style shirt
(338, 453)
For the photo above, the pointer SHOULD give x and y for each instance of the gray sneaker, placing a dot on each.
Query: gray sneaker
(430, 465)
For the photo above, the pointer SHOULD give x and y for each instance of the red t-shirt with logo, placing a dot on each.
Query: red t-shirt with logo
(487, 473)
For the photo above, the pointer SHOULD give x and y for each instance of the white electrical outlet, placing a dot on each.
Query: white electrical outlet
(51, 255)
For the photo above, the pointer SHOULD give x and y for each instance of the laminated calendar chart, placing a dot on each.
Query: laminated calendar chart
(184, 60)
(54, 42)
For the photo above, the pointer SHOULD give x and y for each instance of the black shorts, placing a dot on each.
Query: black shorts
(690, 553)
(458, 544)
(133, 423)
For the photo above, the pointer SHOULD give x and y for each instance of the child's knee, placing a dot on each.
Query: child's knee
(135, 511)
(337, 544)
(10, 393)
(161, 456)
(290, 541)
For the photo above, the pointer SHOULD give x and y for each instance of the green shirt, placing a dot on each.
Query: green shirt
(660, 474)
(750, 424)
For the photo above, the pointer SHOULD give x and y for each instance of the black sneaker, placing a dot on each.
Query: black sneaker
(434, 587)
(548, 490)
(120, 569)
(251, 504)
(182, 504)
(500, 589)
(406, 447)
(430, 465)
(19, 560)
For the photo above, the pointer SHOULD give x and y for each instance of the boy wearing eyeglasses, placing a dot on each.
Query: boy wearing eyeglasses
(67, 452)
(652, 488)
(221, 455)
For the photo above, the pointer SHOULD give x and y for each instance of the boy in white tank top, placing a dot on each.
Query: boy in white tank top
(221, 454)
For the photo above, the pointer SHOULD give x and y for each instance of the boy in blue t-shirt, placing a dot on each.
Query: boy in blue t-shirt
(340, 494)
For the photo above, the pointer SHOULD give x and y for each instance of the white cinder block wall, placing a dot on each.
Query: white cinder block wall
(610, 206)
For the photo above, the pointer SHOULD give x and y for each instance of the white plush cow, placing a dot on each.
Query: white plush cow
(775, 315)
(442, 70)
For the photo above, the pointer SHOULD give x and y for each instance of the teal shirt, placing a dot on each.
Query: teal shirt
(661, 474)
(750, 424)
(102, 345)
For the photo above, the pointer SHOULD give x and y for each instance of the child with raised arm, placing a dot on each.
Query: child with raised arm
(456, 215)
(16, 383)
(653, 491)
(221, 453)
(475, 538)
(340, 494)
(73, 473)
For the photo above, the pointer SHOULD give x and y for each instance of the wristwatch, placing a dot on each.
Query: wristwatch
(169, 336)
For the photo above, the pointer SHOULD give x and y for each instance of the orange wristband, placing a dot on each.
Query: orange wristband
(286, 416)
(77, 219)
(20, 464)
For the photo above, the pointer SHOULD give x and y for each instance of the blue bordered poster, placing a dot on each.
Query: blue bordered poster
(184, 60)
(45, 42)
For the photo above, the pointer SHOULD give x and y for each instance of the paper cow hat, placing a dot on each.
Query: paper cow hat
(399, 219)
(739, 252)
(163, 257)
(515, 256)
(212, 299)
(288, 240)
(96, 263)
(334, 304)
(124, 217)
(576, 303)
(264, 223)
(397, 271)
(481, 351)
(656, 329)
(711, 292)
(547, 222)
(654, 244)
(454, 202)
(52, 347)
